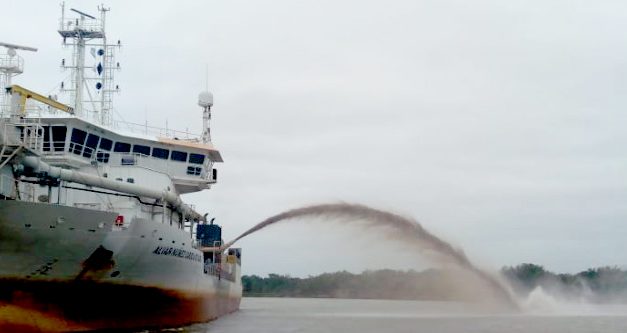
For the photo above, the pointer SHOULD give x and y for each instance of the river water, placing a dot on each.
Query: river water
(308, 315)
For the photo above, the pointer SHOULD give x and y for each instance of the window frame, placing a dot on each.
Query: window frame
(163, 157)
(194, 170)
(195, 158)
(89, 150)
(173, 153)
(102, 140)
(137, 148)
(76, 144)
(58, 132)
(47, 144)
(121, 144)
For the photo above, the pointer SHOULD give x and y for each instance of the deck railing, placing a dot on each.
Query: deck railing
(220, 271)
(155, 131)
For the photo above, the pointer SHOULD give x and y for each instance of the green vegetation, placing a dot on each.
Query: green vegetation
(597, 284)
(388, 284)
(605, 283)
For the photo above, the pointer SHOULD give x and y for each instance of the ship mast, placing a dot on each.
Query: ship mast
(11, 65)
(91, 94)
(205, 100)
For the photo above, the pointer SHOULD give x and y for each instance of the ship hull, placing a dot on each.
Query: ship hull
(70, 269)
(61, 306)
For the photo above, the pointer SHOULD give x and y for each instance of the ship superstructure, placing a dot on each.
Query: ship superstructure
(90, 211)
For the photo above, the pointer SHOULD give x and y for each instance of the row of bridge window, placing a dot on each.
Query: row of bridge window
(86, 144)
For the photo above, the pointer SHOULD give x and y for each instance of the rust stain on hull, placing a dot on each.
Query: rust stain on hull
(62, 306)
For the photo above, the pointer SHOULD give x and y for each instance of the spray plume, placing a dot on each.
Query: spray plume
(399, 228)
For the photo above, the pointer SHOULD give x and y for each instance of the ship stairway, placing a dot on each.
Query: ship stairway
(20, 136)
(7, 153)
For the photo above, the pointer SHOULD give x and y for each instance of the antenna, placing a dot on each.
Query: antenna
(18, 47)
(84, 14)
(205, 100)
(91, 94)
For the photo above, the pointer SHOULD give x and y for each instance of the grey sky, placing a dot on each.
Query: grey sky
(497, 124)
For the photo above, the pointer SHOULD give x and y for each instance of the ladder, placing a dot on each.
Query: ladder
(7, 152)
(19, 136)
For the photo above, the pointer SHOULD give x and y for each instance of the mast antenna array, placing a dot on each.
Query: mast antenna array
(91, 91)
(18, 47)
(84, 14)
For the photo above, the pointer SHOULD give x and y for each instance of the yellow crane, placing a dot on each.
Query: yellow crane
(26, 94)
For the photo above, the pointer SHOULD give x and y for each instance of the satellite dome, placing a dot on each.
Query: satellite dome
(205, 99)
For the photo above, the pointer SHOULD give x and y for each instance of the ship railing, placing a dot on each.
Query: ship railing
(54, 148)
(32, 109)
(10, 64)
(93, 25)
(29, 136)
(220, 271)
(32, 134)
(156, 131)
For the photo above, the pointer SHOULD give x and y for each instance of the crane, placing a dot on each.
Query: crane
(26, 94)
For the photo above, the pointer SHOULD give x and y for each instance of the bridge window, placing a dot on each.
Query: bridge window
(90, 145)
(179, 156)
(122, 147)
(76, 141)
(193, 171)
(160, 153)
(46, 146)
(102, 157)
(58, 137)
(196, 158)
(105, 144)
(143, 150)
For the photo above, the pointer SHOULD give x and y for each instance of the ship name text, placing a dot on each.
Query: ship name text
(172, 251)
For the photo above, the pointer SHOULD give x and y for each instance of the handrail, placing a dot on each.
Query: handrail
(30, 136)
(155, 130)
(26, 94)
(216, 269)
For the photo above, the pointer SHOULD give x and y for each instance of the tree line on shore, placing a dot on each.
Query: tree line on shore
(594, 284)
(601, 284)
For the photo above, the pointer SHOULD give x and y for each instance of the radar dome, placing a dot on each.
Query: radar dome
(205, 99)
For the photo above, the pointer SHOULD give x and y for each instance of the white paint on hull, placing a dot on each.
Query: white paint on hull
(40, 241)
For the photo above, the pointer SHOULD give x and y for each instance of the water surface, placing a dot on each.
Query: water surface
(307, 315)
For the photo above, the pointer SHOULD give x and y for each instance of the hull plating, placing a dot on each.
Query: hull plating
(66, 269)
(61, 306)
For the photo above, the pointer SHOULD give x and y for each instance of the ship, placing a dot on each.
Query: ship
(94, 233)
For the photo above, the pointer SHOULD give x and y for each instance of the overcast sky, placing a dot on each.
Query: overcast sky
(497, 124)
